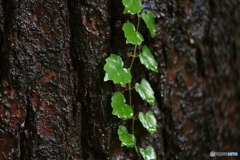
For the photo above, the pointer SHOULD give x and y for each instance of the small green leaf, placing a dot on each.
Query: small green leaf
(115, 71)
(145, 91)
(148, 153)
(148, 18)
(121, 109)
(132, 6)
(132, 36)
(148, 60)
(148, 121)
(127, 139)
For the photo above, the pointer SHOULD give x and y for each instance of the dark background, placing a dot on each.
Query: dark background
(55, 105)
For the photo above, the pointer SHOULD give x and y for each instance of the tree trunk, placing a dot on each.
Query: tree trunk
(55, 105)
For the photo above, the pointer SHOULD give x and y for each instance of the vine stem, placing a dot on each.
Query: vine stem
(136, 149)
(130, 88)
(135, 47)
(139, 156)
(134, 56)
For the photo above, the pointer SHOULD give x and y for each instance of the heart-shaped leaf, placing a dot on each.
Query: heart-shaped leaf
(148, 60)
(148, 18)
(115, 71)
(132, 36)
(132, 6)
(148, 121)
(121, 109)
(127, 139)
(148, 153)
(145, 91)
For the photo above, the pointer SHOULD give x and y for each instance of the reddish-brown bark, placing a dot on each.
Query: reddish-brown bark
(55, 105)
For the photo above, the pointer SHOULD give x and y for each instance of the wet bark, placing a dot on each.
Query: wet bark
(55, 105)
(40, 117)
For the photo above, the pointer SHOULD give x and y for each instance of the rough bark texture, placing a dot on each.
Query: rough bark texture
(55, 105)
(40, 118)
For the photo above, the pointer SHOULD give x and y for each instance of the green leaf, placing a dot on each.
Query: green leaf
(121, 109)
(132, 36)
(148, 121)
(132, 6)
(127, 139)
(148, 60)
(115, 71)
(145, 91)
(148, 18)
(148, 153)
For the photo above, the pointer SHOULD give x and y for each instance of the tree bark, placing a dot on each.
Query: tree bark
(40, 117)
(54, 103)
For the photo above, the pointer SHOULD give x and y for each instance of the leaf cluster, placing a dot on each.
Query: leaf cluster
(115, 72)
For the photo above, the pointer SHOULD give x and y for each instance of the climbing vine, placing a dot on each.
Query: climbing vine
(115, 72)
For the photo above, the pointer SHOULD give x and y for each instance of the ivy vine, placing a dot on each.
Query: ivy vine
(115, 72)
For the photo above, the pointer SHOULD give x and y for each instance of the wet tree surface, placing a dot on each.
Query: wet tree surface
(55, 105)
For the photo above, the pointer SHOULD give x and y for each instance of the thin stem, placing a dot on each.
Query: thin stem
(135, 47)
(133, 120)
(129, 87)
(134, 56)
(139, 156)
(130, 94)
(139, 16)
(136, 149)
